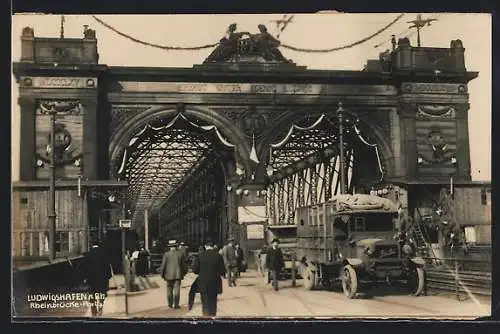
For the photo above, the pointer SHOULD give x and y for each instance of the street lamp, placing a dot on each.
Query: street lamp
(57, 157)
(52, 186)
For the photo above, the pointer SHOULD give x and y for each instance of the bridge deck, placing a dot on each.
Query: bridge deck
(254, 298)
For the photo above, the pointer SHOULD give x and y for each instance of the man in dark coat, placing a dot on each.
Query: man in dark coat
(184, 249)
(229, 257)
(173, 269)
(240, 260)
(97, 272)
(210, 267)
(275, 262)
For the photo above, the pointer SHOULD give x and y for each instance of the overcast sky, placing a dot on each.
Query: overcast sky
(315, 31)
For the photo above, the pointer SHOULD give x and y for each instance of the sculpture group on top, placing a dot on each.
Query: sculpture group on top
(237, 44)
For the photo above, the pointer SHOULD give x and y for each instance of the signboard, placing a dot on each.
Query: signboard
(59, 82)
(252, 214)
(125, 223)
(255, 88)
(255, 231)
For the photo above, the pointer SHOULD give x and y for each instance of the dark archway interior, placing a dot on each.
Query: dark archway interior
(161, 163)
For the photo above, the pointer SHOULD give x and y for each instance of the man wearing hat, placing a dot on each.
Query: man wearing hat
(274, 262)
(97, 272)
(209, 266)
(230, 261)
(183, 249)
(173, 269)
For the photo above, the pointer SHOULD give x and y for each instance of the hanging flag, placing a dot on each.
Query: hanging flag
(253, 152)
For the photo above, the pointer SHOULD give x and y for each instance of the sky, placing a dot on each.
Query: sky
(313, 31)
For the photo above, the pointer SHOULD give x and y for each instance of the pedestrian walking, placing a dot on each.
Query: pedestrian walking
(229, 257)
(261, 260)
(274, 263)
(133, 267)
(173, 269)
(209, 267)
(184, 249)
(142, 262)
(240, 260)
(97, 272)
(194, 286)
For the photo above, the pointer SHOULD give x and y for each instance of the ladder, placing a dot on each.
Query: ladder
(424, 249)
(422, 246)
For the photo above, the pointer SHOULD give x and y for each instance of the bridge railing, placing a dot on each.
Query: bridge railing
(465, 278)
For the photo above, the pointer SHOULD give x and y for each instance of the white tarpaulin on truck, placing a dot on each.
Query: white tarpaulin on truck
(362, 202)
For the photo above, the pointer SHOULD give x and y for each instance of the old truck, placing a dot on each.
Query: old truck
(350, 239)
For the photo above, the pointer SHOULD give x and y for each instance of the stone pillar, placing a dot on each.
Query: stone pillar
(28, 45)
(457, 51)
(463, 146)
(395, 131)
(27, 139)
(408, 139)
(90, 146)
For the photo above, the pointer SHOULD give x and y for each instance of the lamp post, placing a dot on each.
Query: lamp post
(52, 188)
(340, 117)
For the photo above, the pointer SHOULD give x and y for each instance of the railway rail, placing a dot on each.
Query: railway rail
(453, 276)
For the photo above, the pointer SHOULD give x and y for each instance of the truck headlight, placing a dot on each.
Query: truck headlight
(407, 249)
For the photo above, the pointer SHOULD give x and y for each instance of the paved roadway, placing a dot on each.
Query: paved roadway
(254, 298)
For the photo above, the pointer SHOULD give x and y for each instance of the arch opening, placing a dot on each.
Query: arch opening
(171, 159)
(304, 164)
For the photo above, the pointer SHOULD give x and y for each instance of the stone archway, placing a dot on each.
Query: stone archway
(225, 126)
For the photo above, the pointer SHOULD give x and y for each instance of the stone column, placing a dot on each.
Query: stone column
(395, 126)
(27, 147)
(408, 139)
(90, 145)
(463, 146)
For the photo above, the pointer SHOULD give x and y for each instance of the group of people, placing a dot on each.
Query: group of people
(210, 266)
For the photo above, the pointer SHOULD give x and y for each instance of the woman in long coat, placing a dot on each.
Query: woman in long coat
(142, 263)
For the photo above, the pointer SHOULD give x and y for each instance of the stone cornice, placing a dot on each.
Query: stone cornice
(132, 97)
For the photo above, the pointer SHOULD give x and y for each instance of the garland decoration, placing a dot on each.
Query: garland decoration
(201, 47)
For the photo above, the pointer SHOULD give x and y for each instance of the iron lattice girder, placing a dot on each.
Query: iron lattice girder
(303, 143)
(199, 172)
(309, 185)
(191, 208)
(162, 159)
(306, 162)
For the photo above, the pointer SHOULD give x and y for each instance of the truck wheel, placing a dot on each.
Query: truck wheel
(350, 282)
(309, 278)
(417, 281)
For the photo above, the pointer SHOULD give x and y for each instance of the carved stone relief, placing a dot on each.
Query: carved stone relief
(67, 143)
(439, 148)
(435, 111)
